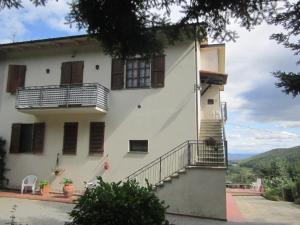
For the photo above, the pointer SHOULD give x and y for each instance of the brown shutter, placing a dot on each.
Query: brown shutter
(97, 137)
(77, 72)
(16, 77)
(38, 137)
(66, 73)
(117, 74)
(15, 138)
(158, 71)
(70, 138)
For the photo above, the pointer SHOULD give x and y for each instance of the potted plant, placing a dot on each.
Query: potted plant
(44, 187)
(68, 188)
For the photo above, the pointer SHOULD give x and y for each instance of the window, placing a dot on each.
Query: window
(16, 78)
(72, 72)
(210, 101)
(70, 138)
(27, 138)
(96, 137)
(138, 73)
(138, 145)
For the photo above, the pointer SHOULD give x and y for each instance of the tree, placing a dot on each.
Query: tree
(127, 28)
(290, 21)
(18, 3)
(3, 169)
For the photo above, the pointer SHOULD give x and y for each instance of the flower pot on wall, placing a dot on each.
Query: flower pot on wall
(45, 190)
(68, 190)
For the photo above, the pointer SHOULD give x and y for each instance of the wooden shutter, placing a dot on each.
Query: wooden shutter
(70, 138)
(77, 72)
(16, 77)
(15, 138)
(66, 73)
(117, 74)
(158, 71)
(97, 137)
(38, 137)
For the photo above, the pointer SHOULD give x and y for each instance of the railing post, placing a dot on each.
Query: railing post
(159, 169)
(189, 153)
(226, 153)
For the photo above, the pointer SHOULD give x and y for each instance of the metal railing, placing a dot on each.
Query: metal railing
(189, 153)
(224, 111)
(57, 96)
(223, 120)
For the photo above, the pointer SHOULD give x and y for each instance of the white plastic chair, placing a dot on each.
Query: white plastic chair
(29, 181)
(91, 184)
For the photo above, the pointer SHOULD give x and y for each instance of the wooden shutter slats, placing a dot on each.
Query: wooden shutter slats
(38, 137)
(15, 138)
(158, 71)
(97, 137)
(16, 78)
(70, 138)
(117, 74)
(77, 72)
(66, 72)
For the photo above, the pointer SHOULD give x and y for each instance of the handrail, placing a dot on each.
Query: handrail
(223, 120)
(188, 153)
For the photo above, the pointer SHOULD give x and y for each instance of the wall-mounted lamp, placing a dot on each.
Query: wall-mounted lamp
(47, 70)
(97, 67)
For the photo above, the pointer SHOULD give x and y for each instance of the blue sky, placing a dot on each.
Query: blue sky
(261, 117)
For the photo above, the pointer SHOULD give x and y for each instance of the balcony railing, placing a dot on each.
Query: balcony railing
(63, 96)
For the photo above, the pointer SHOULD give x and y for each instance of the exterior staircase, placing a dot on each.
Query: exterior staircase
(211, 133)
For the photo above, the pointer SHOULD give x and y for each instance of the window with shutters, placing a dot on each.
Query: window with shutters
(138, 73)
(27, 138)
(97, 137)
(70, 138)
(138, 145)
(16, 78)
(72, 72)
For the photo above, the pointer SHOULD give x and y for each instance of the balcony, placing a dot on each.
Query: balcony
(73, 98)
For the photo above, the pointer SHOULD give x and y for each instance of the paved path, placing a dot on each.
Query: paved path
(255, 210)
(258, 209)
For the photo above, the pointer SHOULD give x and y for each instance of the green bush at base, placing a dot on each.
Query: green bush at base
(271, 195)
(119, 203)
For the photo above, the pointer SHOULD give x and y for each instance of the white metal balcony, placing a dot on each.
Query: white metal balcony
(77, 98)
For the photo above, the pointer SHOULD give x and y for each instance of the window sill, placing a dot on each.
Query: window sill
(100, 154)
(137, 152)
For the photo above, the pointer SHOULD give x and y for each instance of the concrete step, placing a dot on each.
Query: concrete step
(175, 175)
(182, 171)
(168, 179)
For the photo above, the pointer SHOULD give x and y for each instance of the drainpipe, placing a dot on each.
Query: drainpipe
(196, 89)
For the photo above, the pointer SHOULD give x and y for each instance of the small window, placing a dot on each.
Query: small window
(97, 137)
(210, 101)
(27, 138)
(138, 145)
(138, 73)
(70, 138)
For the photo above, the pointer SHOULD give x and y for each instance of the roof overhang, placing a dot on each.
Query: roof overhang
(213, 77)
(50, 42)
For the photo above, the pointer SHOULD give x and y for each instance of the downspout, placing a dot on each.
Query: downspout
(196, 90)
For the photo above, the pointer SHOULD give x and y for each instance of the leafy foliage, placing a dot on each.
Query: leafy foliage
(18, 3)
(119, 203)
(290, 21)
(127, 28)
(3, 169)
(240, 175)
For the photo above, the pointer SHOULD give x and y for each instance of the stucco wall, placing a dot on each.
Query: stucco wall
(209, 59)
(211, 112)
(199, 192)
(166, 117)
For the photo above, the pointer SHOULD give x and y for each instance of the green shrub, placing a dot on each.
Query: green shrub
(119, 203)
(3, 169)
(287, 194)
(271, 195)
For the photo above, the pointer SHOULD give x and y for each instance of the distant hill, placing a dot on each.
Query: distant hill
(291, 155)
(237, 157)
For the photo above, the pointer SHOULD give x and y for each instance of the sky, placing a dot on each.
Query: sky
(260, 116)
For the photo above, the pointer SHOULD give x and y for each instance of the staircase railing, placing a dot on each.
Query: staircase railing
(189, 153)
(223, 120)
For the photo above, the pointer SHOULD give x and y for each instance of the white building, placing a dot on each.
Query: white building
(66, 108)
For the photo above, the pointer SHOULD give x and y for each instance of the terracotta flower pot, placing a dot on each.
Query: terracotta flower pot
(45, 190)
(68, 190)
